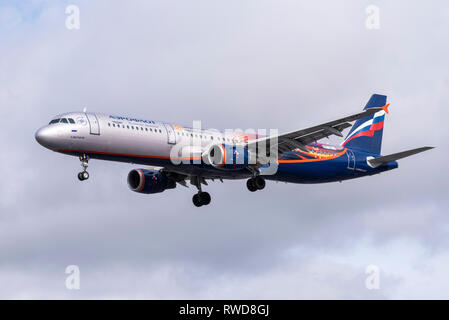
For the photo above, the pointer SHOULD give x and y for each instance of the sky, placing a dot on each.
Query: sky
(285, 65)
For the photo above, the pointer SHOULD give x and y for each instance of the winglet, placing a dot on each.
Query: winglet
(385, 107)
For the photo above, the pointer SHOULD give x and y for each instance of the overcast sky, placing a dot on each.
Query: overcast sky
(284, 64)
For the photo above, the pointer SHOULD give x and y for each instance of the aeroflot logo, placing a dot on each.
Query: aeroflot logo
(132, 119)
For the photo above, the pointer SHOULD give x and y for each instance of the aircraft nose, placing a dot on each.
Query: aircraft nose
(44, 136)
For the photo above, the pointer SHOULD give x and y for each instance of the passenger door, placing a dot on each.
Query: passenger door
(93, 123)
(171, 136)
(351, 159)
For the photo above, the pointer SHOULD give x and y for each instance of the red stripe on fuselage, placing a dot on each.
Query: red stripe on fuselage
(127, 155)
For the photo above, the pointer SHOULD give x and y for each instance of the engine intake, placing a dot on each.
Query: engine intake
(147, 181)
(227, 156)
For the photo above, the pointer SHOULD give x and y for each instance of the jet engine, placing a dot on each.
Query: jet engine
(227, 156)
(147, 181)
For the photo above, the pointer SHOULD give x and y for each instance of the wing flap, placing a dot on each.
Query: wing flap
(325, 133)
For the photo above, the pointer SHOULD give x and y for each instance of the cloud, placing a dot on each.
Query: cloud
(230, 64)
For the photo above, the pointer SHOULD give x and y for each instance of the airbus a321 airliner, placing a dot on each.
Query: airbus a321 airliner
(202, 155)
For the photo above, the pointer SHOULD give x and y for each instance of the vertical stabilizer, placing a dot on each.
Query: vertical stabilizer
(366, 133)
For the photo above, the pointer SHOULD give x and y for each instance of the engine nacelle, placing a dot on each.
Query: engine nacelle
(230, 157)
(147, 181)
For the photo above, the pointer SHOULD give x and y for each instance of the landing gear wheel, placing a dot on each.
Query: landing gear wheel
(84, 175)
(259, 182)
(254, 184)
(201, 199)
(251, 185)
(204, 198)
(196, 200)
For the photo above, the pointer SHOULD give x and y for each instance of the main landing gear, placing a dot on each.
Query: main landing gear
(201, 198)
(256, 183)
(84, 175)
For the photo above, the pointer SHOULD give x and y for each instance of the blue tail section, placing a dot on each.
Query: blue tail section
(366, 133)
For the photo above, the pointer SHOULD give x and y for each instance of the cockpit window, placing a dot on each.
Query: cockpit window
(62, 120)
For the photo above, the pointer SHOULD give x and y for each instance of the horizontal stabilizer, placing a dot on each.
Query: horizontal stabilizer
(396, 156)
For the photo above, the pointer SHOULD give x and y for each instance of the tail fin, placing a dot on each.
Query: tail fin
(366, 133)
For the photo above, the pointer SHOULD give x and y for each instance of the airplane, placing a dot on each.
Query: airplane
(176, 155)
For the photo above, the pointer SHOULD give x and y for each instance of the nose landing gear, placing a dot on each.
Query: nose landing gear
(84, 175)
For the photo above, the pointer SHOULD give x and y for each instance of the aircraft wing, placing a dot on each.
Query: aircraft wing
(300, 138)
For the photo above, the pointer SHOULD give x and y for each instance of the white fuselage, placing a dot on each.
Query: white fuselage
(132, 140)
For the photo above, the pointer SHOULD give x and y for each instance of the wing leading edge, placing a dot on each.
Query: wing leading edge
(301, 138)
